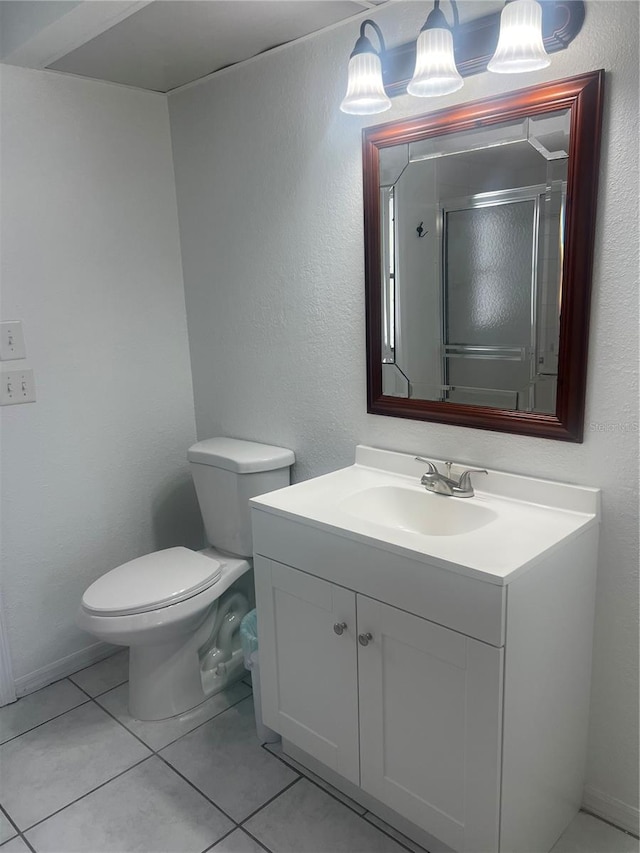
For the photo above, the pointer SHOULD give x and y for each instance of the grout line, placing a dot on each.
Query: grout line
(208, 720)
(82, 690)
(44, 723)
(257, 840)
(17, 829)
(231, 831)
(120, 723)
(337, 799)
(195, 788)
(222, 838)
(11, 821)
(86, 794)
(156, 753)
(27, 843)
(269, 801)
(109, 689)
(175, 740)
(146, 758)
(304, 771)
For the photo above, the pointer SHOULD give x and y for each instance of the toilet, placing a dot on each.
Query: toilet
(179, 610)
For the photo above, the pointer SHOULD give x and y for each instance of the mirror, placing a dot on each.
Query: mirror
(479, 238)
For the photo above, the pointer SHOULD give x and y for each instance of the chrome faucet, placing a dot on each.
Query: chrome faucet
(434, 481)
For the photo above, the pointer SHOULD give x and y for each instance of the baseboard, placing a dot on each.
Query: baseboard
(611, 809)
(61, 668)
(7, 683)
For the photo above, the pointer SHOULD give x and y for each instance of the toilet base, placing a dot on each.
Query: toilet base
(158, 689)
(215, 680)
(171, 678)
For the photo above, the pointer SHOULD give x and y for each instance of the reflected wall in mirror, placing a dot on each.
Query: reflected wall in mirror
(479, 233)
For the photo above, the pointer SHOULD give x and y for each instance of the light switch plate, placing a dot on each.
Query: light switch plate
(17, 386)
(12, 341)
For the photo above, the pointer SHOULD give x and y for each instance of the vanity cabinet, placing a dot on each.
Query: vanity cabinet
(404, 708)
(463, 718)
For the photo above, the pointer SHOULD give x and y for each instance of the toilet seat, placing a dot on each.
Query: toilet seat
(151, 582)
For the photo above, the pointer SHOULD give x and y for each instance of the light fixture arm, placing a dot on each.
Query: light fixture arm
(363, 44)
(436, 19)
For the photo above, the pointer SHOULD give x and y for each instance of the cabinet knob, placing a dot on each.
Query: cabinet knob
(364, 639)
(339, 627)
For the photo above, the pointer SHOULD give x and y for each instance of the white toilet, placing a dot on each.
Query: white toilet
(180, 610)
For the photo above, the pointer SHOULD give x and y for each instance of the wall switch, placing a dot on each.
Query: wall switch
(17, 386)
(12, 341)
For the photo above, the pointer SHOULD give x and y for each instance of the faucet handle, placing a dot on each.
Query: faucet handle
(465, 478)
(432, 467)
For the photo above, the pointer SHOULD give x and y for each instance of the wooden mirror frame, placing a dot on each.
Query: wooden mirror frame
(582, 95)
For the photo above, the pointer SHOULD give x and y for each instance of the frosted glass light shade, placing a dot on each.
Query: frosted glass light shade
(365, 92)
(435, 72)
(520, 47)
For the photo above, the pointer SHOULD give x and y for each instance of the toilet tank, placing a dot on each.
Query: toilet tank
(227, 472)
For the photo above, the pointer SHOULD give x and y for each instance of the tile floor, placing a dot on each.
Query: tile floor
(78, 775)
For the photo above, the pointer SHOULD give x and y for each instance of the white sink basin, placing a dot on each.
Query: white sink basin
(417, 511)
(507, 526)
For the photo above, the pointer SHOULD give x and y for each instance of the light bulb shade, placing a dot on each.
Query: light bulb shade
(520, 47)
(435, 72)
(365, 92)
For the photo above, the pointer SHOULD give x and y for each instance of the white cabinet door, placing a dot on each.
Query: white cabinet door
(308, 672)
(430, 725)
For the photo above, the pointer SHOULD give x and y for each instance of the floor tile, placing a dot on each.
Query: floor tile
(7, 830)
(305, 819)
(37, 708)
(48, 767)
(381, 824)
(104, 675)
(587, 834)
(276, 749)
(149, 809)
(159, 733)
(16, 845)
(237, 842)
(224, 759)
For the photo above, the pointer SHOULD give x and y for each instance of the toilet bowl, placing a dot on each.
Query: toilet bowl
(179, 610)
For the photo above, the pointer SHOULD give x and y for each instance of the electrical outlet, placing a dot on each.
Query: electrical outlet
(12, 341)
(17, 386)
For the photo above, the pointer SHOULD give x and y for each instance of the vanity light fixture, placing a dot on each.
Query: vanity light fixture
(365, 90)
(435, 71)
(525, 34)
(520, 46)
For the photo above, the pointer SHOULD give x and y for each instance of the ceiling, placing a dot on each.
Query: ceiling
(164, 44)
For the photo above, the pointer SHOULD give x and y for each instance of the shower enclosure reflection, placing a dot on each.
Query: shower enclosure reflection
(472, 236)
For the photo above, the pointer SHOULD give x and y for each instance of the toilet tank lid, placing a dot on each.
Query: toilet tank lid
(242, 457)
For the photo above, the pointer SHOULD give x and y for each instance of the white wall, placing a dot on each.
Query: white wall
(269, 188)
(94, 473)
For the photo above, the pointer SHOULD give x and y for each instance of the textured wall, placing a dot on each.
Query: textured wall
(269, 187)
(94, 473)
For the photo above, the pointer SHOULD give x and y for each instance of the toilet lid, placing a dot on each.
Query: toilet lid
(153, 581)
